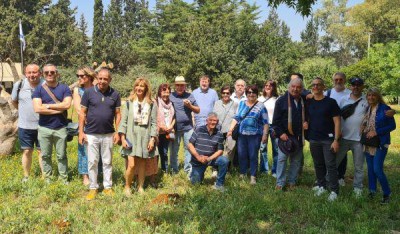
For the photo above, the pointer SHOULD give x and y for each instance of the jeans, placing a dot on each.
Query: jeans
(173, 160)
(163, 145)
(294, 166)
(375, 170)
(358, 158)
(325, 161)
(342, 167)
(82, 159)
(57, 137)
(221, 162)
(248, 146)
(100, 146)
(264, 155)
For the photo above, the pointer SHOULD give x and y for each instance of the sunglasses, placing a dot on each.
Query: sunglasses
(225, 93)
(80, 76)
(250, 92)
(50, 73)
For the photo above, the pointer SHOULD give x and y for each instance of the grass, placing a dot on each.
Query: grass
(36, 207)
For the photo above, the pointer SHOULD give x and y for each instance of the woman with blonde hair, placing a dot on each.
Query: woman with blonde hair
(138, 129)
(86, 77)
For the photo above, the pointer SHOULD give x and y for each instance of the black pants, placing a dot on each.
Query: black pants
(342, 167)
(325, 161)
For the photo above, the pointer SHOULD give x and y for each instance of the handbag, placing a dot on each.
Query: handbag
(235, 130)
(373, 141)
(348, 110)
(72, 128)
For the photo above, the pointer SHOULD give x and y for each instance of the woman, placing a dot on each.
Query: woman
(270, 94)
(139, 135)
(376, 123)
(86, 76)
(166, 122)
(253, 129)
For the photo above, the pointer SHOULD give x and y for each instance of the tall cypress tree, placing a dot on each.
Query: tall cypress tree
(98, 31)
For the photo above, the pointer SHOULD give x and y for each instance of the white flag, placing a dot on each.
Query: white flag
(21, 36)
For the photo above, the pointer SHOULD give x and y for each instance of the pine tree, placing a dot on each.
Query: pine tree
(98, 32)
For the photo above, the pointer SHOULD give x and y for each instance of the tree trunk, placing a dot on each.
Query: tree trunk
(8, 126)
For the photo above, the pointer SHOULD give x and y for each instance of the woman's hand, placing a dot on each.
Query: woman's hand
(124, 143)
(150, 146)
(264, 138)
(371, 134)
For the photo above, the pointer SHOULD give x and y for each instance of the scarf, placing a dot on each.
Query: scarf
(162, 107)
(290, 121)
(368, 124)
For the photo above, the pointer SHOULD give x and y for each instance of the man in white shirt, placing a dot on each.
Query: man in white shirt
(239, 94)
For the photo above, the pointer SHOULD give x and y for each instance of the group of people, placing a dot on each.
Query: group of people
(221, 133)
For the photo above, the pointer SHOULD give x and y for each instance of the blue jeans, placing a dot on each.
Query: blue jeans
(221, 162)
(294, 167)
(375, 170)
(264, 155)
(247, 146)
(163, 145)
(175, 149)
(83, 161)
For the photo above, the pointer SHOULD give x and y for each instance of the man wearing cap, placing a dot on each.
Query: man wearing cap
(323, 125)
(205, 98)
(351, 131)
(289, 116)
(239, 94)
(339, 91)
(28, 120)
(185, 104)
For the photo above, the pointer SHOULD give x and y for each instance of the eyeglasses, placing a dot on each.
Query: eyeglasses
(225, 93)
(50, 73)
(316, 85)
(80, 76)
(250, 92)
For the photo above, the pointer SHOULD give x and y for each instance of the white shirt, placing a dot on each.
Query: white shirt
(236, 99)
(269, 105)
(338, 95)
(351, 126)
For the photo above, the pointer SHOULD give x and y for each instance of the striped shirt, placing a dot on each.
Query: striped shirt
(206, 144)
(254, 122)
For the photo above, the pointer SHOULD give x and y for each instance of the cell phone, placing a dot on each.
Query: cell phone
(129, 144)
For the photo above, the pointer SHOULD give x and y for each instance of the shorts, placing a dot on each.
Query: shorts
(28, 138)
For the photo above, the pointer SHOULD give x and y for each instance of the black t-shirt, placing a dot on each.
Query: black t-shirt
(320, 118)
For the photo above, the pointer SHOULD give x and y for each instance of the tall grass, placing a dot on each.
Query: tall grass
(36, 207)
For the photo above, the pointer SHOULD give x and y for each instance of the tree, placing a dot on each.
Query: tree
(310, 37)
(318, 67)
(302, 6)
(98, 31)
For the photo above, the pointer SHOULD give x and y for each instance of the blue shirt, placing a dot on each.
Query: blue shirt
(205, 100)
(57, 121)
(100, 110)
(183, 114)
(205, 143)
(254, 122)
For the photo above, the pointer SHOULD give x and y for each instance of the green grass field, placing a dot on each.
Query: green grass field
(36, 207)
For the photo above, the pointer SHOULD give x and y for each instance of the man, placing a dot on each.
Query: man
(323, 134)
(28, 120)
(286, 126)
(351, 132)
(205, 98)
(239, 94)
(184, 104)
(100, 107)
(339, 91)
(51, 100)
(206, 147)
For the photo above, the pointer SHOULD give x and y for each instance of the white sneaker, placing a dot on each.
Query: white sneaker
(253, 180)
(332, 197)
(320, 191)
(218, 188)
(342, 182)
(357, 192)
(315, 188)
(214, 175)
(274, 175)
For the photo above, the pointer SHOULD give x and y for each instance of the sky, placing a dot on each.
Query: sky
(294, 20)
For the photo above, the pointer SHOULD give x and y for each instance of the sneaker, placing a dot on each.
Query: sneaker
(91, 195)
(220, 188)
(385, 200)
(274, 175)
(253, 180)
(25, 179)
(357, 192)
(315, 188)
(332, 197)
(47, 180)
(278, 188)
(320, 191)
(128, 192)
(342, 182)
(108, 192)
(214, 175)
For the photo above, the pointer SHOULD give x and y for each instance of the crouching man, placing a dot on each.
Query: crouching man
(206, 147)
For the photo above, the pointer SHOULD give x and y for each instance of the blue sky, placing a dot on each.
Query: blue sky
(294, 20)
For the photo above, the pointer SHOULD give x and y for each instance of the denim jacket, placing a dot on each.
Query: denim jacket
(383, 124)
